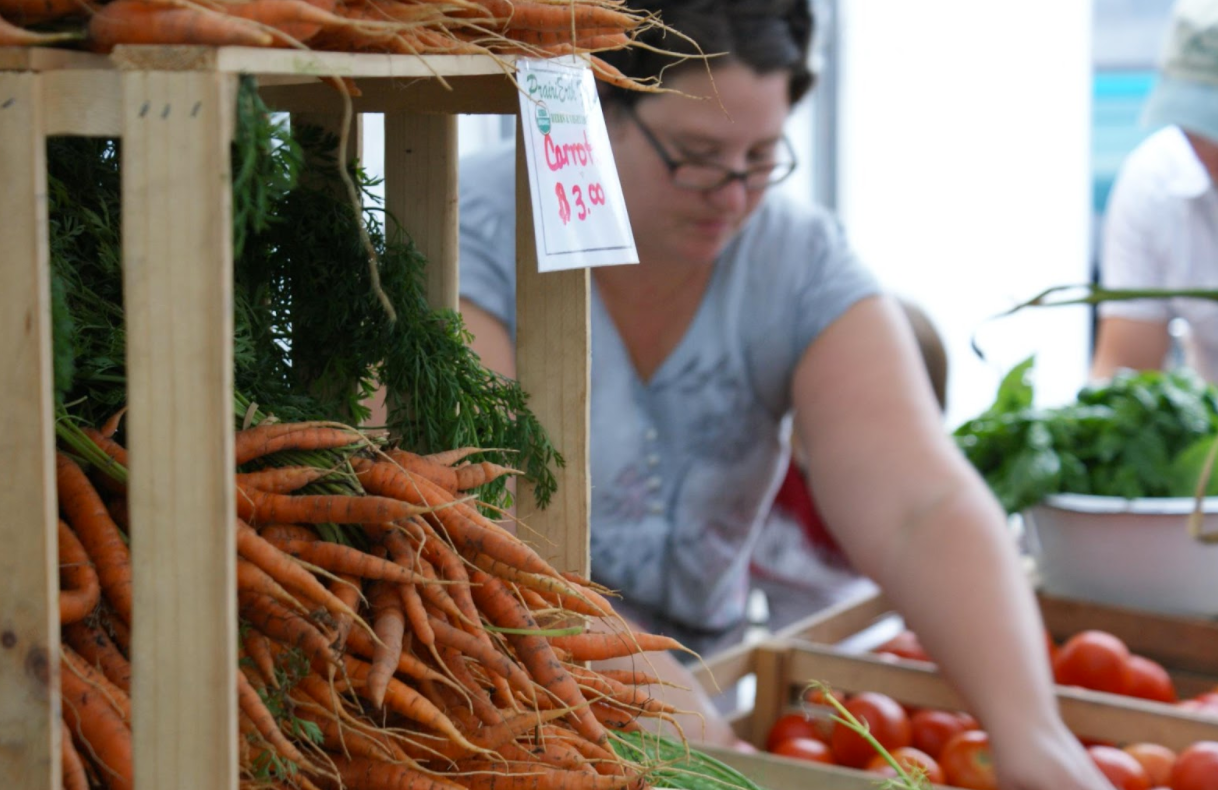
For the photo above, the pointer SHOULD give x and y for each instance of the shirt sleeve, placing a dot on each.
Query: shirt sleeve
(1132, 254)
(487, 228)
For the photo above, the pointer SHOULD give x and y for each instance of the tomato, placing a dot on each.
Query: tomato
(802, 748)
(791, 725)
(1094, 660)
(966, 761)
(1051, 646)
(1156, 758)
(1149, 680)
(885, 717)
(1120, 768)
(904, 645)
(909, 759)
(1196, 767)
(933, 727)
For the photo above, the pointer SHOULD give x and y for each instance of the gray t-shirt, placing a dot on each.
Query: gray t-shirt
(685, 466)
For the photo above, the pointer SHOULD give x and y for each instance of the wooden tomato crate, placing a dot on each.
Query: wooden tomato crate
(782, 669)
(1187, 647)
(173, 108)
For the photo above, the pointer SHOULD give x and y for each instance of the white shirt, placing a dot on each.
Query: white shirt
(1161, 231)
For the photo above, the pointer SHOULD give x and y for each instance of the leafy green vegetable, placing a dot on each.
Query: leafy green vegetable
(1142, 434)
(673, 764)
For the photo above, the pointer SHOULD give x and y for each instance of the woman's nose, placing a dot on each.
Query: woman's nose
(732, 196)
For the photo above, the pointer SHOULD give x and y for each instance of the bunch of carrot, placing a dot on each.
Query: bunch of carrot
(537, 28)
(442, 652)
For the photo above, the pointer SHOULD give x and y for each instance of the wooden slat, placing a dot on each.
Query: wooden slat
(492, 94)
(49, 59)
(837, 622)
(83, 102)
(29, 568)
(292, 61)
(784, 773)
(421, 192)
(177, 267)
(726, 668)
(552, 364)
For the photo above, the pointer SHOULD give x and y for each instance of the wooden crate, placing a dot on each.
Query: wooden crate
(173, 109)
(778, 670)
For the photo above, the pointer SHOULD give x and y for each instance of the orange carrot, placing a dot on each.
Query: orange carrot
(268, 438)
(93, 644)
(389, 623)
(542, 16)
(504, 610)
(260, 507)
(281, 480)
(362, 773)
(346, 588)
(291, 19)
(460, 478)
(289, 628)
(258, 651)
(337, 558)
(480, 702)
(557, 586)
(289, 573)
(273, 532)
(615, 718)
(98, 727)
(74, 776)
(611, 75)
(110, 426)
(252, 580)
(140, 22)
(252, 706)
(361, 644)
(106, 444)
(403, 699)
(339, 737)
(543, 38)
(115, 697)
(601, 646)
(87, 515)
(485, 653)
(79, 589)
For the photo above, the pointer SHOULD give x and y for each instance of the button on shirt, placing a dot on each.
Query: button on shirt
(1161, 231)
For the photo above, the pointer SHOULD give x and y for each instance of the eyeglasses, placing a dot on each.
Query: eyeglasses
(706, 176)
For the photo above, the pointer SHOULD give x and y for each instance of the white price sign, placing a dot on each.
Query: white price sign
(579, 215)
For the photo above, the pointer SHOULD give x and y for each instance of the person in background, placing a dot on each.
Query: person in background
(747, 308)
(796, 562)
(1161, 224)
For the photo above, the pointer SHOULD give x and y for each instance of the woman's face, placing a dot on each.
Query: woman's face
(676, 224)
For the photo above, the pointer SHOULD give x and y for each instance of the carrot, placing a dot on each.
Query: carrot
(294, 20)
(587, 44)
(13, 36)
(543, 38)
(630, 677)
(28, 12)
(611, 75)
(260, 507)
(289, 573)
(601, 646)
(273, 532)
(359, 643)
(362, 773)
(281, 480)
(252, 706)
(602, 759)
(289, 628)
(268, 438)
(140, 22)
(94, 645)
(459, 478)
(450, 566)
(505, 610)
(480, 702)
(350, 741)
(98, 727)
(541, 16)
(79, 589)
(346, 588)
(615, 718)
(87, 515)
(469, 530)
(253, 581)
(450, 457)
(558, 587)
(412, 601)
(74, 776)
(403, 699)
(110, 426)
(116, 697)
(389, 622)
(258, 650)
(337, 558)
(106, 444)
(484, 652)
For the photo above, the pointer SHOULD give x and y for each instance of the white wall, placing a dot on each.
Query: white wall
(965, 175)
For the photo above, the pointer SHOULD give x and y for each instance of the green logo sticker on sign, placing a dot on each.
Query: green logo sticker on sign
(543, 119)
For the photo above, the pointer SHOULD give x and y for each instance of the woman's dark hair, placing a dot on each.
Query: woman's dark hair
(765, 35)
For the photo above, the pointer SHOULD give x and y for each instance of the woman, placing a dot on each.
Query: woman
(744, 309)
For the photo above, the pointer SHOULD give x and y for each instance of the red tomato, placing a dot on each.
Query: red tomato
(1120, 768)
(804, 749)
(932, 728)
(1156, 758)
(1196, 767)
(909, 759)
(904, 645)
(1051, 646)
(791, 725)
(888, 724)
(966, 761)
(1149, 680)
(1094, 660)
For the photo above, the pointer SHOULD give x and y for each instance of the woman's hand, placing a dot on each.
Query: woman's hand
(1045, 758)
